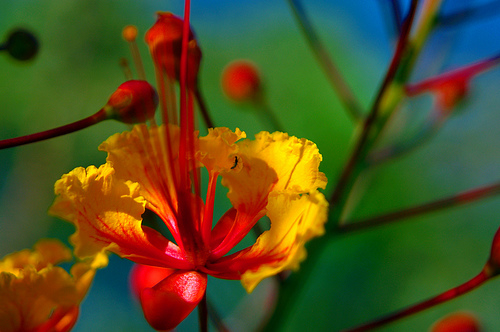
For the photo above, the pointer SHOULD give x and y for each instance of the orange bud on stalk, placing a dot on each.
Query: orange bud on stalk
(241, 81)
(129, 33)
(134, 101)
(457, 322)
(168, 303)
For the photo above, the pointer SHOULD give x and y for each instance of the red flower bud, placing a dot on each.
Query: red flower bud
(165, 44)
(134, 101)
(241, 81)
(146, 276)
(169, 302)
(457, 322)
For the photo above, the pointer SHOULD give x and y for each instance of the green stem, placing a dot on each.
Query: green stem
(338, 83)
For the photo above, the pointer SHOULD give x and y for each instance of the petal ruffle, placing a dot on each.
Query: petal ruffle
(35, 295)
(107, 214)
(295, 219)
(273, 162)
(218, 149)
(143, 156)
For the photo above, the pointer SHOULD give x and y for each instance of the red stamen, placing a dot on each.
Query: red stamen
(206, 223)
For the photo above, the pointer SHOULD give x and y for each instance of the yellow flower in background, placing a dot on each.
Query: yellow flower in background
(37, 295)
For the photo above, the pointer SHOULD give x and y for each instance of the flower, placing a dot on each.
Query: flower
(158, 168)
(36, 295)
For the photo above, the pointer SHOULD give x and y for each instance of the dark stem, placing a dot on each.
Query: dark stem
(443, 297)
(215, 317)
(267, 115)
(455, 200)
(481, 13)
(203, 108)
(396, 10)
(203, 314)
(59, 131)
(333, 74)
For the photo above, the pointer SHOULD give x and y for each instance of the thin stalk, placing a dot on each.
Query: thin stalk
(203, 108)
(203, 314)
(216, 318)
(465, 197)
(55, 132)
(338, 83)
(267, 115)
(450, 294)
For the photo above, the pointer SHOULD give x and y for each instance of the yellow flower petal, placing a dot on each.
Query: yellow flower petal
(46, 252)
(107, 214)
(294, 219)
(274, 162)
(32, 290)
(142, 156)
(218, 151)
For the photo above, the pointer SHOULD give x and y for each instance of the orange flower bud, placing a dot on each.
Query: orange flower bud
(457, 322)
(165, 44)
(134, 101)
(168, 303)
(241, 81)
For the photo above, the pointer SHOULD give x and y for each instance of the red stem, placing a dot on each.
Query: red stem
(55, 132)
(473, 283)
(455, 200)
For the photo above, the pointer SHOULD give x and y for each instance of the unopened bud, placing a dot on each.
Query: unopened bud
(457, 322)
(134, 101)
(129, 33)
(164, 39)
(170, 301)
(241, 81)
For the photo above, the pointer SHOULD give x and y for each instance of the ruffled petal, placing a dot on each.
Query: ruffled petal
(295, 219)
(107, 214)
(295, 161)
(218, 151)
(143, 156)
(272, 163)
(36, 295)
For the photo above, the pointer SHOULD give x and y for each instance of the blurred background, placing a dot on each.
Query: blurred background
(360, 276)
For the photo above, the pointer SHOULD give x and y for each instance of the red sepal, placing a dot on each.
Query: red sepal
(170, 301)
